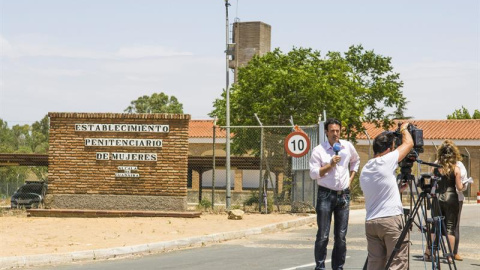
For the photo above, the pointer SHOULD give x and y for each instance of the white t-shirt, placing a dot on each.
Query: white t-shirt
(463, 175)
(379, 185)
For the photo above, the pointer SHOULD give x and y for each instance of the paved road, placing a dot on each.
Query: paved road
(291, 249)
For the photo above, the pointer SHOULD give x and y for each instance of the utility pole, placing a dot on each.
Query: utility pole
(227, 88)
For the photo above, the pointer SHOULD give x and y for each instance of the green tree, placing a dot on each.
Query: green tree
(354, 87)
(476, 114)
(10, 141)
(22, 139)
(39, 135)
(7, 138)
(156, 103)
(39, 144)
(463, 113)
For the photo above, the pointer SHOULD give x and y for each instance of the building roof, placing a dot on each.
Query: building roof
(465, 129)
(204, 129)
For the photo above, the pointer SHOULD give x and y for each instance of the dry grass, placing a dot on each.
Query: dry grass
(5, 202)
(7, 212)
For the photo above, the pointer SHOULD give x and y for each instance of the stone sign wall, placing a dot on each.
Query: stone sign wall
(118, 161)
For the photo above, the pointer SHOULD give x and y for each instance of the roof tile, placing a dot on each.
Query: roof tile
(464, 129)
(204, 129)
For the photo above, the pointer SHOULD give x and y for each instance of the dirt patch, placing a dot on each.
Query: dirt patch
(22, 235)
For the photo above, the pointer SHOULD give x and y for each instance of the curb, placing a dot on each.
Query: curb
(158, 247)
(85, 213)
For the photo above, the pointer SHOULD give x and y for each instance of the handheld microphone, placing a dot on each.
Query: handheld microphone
(336, 148)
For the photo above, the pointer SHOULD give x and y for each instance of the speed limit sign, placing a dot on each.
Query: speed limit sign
(297, 144)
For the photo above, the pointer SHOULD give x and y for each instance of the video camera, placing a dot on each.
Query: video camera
(417, 136)
(427, 181)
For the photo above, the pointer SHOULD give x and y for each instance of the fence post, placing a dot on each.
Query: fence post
(213, 171)
(261, 183)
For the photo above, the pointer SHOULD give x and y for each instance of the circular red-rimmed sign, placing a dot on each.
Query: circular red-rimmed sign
(297, 144)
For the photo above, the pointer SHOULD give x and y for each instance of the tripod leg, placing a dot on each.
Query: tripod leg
(449, 254)
(407, 226)
(434, 232)
(436, 240)
(440, 232)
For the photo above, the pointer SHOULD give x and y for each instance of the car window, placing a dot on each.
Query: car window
(31, 188)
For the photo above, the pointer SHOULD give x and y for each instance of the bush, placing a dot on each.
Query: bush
(205, 204)
(252, 200)
(270, 204)
(355, 189)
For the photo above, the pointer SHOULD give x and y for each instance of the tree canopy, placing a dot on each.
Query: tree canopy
(24, 139)
(463, 113)
(156, 103)
(355, 86)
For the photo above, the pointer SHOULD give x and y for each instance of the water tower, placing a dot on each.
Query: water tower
(249, 39)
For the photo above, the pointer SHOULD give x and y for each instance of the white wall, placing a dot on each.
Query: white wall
(250, 178)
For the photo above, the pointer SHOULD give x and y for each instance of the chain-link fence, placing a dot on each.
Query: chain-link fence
(280, 180)
(8, 187)
(262, 175)
(22, 186)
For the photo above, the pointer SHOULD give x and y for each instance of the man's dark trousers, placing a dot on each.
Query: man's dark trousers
(337, 203)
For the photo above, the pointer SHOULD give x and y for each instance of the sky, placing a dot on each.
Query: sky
(98, 56)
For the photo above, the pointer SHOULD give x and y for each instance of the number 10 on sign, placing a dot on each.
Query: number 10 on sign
(297, 144)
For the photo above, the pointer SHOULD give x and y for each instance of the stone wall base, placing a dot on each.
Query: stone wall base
(115, 202)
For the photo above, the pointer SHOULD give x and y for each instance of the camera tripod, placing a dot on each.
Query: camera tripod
(434, 226)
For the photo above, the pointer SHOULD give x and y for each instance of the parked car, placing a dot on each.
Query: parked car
(30, 195)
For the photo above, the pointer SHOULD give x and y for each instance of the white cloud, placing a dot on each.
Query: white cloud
(54, 72)
(33, 45)
(154, 66)
(35, 50)
(143, 79)
(34, 87)
(43, 46)
(142, 51)
(6, 48)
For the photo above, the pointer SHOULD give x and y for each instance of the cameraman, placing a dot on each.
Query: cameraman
(384, 220)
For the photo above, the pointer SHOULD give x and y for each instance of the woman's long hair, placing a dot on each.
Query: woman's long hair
(448, 155)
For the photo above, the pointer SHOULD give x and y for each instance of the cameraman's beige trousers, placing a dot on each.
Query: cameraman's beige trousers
(382, 235)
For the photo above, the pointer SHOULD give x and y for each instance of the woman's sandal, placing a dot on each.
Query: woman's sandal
(449, 260)
(427, 257)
